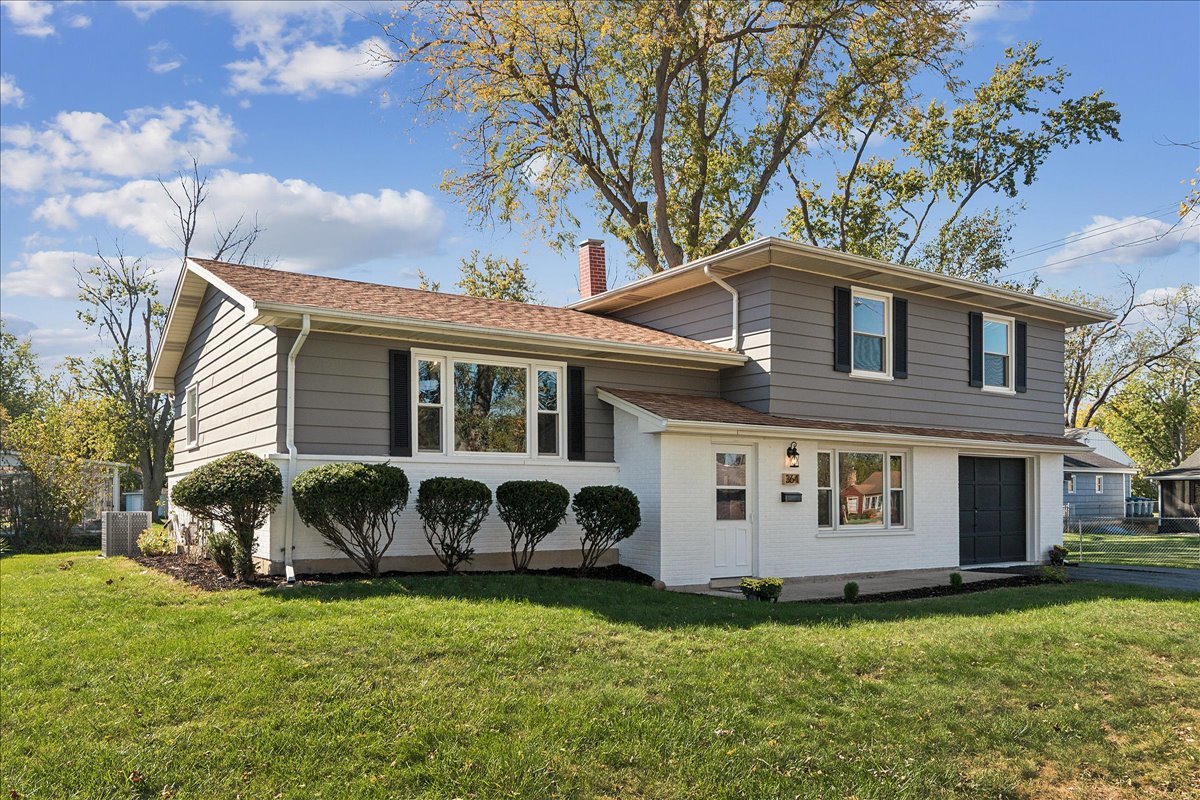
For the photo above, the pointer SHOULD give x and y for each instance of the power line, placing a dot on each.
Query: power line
(1136, 243)
(1091, 234)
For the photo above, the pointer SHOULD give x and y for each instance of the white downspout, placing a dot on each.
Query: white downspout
(735, 338)
(289, 512)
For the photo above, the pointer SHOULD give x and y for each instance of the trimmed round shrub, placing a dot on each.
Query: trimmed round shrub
(156, 541)
(354, 508)
(239, 491)
(850, 592)
(532, 510)
(452, 510)
(222, 549)
(765, 589)
(608, 515)
(956, 580)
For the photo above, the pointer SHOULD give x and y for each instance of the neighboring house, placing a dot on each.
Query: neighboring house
(1179, 495)
(689, 387)
(1099, 483)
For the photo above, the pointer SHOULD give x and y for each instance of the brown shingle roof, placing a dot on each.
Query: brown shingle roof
(295, 288)
(691, 408)
(1084, 461)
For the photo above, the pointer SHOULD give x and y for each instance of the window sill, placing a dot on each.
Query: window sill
(998, 390)
(830, 533)
(870, 376)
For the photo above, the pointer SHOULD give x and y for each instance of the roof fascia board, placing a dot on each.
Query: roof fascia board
(248, 305)
(771, 244)
(1105, 470)
(718, 359)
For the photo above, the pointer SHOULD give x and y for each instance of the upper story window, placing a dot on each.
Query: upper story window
(191, 411)
(870, 322)
(466, 404)
(997, 353)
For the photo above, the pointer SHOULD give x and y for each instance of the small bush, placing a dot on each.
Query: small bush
(1053, 574)
(765, 589)
(156, 541)
(239, 491)
(532, 510)
(850, 592)
(222, 548)
(452, 509)
(353, 507)
(608, 515)
(1058, 555)
(956, 580)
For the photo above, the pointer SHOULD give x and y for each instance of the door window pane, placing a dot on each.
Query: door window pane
(489, 408)
(731, 469)
(860, 488)
(731, 504)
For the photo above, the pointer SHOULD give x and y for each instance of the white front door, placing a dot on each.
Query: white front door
(733, 540)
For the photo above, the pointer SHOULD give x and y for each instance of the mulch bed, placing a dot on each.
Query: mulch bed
(205, 575)
(941, 591)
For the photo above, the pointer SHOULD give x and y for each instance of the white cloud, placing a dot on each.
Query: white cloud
(51, 344)
(30, 17)
(17, 326)
(1125, 241)
(305, 227)
(297, 46)
(47, 273)
(79, 21)
(308, 69)
(1002, 14)
(10, 93)
(163, 58)
(78, 149)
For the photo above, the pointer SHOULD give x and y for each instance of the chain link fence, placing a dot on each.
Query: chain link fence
(1140, 541)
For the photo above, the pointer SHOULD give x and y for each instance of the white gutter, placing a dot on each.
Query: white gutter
(289, 512)
(735, 341)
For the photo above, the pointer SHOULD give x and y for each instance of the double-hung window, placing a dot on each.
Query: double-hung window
(1070, 484)
(191, 411)
(997, 353)
(870, 321)
(468, 404)
(1099, 484)
(859, 489)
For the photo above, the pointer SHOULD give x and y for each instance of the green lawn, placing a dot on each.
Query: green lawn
(1142, 549)
(551, 687)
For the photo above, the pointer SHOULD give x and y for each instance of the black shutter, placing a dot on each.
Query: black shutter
(1022, 357)
(841, 329)
(399, 380)
(575, 449)
(899, 338)
(975, 347)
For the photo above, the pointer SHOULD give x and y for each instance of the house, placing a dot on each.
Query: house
(1098, 483)
(1179, 495)
(739, 396)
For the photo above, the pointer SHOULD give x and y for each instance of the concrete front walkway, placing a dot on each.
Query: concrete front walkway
(831, 587)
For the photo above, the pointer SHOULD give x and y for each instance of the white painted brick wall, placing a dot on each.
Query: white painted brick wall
(1047, 477)
(640, 458)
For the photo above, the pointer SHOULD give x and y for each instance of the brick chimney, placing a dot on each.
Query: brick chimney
(593, 278)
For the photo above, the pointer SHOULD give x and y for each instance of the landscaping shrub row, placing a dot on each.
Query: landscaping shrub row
(355, 508)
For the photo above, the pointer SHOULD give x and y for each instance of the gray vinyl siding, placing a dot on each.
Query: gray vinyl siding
(236, 366)
(705, 313)
(1085, 502)
(342, 392)
(787, 330)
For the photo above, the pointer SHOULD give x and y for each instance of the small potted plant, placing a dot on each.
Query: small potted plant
(765, 589)
(1058, 555)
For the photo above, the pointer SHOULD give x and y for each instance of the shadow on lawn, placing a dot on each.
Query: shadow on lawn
(647, 608)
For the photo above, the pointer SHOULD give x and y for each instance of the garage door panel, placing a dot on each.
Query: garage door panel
(992, 509)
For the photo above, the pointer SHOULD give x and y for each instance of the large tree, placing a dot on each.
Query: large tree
(673, 117)
(1155, 416)
(22, 386)
(493, 277)
(1150, 329)
(119, 299)
(913, 206)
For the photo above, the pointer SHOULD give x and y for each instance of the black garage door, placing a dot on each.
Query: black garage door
(991, 510)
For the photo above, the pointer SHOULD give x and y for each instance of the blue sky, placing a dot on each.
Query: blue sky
(101, 98)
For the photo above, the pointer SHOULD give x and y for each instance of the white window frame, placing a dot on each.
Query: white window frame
(418, 405)
(1099, 484)
(1071, 485)
(560, 412)
(1009, 386)
(886, 298)
(191, 415)
(885, 525)
(531, 366)
(833, 509)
